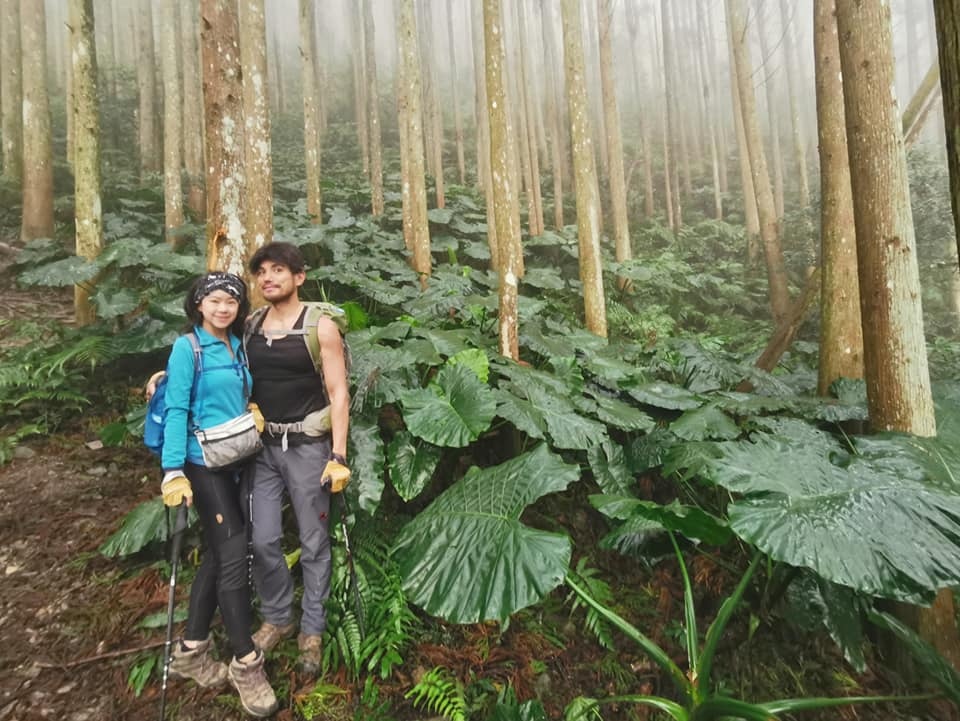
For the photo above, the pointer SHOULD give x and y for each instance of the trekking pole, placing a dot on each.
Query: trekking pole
(344, 512)
(246, 480)
(179, 526)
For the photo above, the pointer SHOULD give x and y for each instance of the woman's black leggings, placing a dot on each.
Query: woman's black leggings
(222, 577)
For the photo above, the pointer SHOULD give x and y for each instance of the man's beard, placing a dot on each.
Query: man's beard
(280, 297)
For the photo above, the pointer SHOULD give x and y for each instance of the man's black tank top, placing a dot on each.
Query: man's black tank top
(285, 384)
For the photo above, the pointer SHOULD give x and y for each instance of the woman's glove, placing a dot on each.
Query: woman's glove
(175, 488)
(336, 475)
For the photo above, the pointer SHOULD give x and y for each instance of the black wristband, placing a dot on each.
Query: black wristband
(338, 458)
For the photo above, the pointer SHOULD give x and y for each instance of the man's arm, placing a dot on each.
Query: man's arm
(335, 378)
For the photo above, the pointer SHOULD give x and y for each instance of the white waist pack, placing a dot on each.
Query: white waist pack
(230, 442)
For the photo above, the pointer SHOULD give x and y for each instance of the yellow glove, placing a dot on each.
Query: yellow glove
(336, 475)
(257, 415)
(175, 488)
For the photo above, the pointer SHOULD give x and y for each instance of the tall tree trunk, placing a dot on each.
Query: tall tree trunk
(948, 46)
(172, 120)
(360, 83)
(553, 111)
(147, 82)
(710, 111)
(455, 92)
(68, 86)
(584, 171)
(485, 174)
(769, 227)
(898, 381)
(37, 218)
(192, 107)
(416, 230)
(107, 67)
(644, 124)
(920, 104)
(58, 69)
(258, 166)
(591, 64)
(841, 335)
(528, 126)
(772, 92)
(671, 122)
(618, 190)
(223, 114)
(11, 89)
(311, 112)
(433, 117)
(751, 216)
(89, 219)
(682, 162)
(796, 123)
(373, 110)
(507, 220)
(320, 68)
(280, 77)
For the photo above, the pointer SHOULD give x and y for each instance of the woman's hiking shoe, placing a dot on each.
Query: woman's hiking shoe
(269, 635)
(251, 682)
(311, 652)
(197, 664)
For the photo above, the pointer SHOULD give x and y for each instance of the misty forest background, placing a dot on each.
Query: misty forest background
(653, 308)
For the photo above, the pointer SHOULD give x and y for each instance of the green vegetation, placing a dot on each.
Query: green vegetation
(592, 459)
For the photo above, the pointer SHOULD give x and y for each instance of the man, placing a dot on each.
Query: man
(292, 394)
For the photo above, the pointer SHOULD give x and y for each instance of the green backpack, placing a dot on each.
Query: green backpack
(315, 311)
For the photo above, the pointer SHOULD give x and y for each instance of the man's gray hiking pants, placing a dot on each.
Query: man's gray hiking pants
(296, 471)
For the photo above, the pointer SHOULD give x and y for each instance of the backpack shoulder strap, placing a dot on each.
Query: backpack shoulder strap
(315, 311)
(197, 364)
(197, 352)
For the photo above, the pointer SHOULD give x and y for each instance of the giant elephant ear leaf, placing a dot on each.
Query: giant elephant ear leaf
(467, 557)
(454, 411)
(863, 523)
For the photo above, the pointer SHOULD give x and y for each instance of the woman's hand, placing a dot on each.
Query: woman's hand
(176, 488)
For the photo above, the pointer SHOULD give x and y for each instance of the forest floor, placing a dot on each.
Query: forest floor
(69, 617)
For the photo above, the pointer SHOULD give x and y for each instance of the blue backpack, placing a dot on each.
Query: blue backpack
(157, 407)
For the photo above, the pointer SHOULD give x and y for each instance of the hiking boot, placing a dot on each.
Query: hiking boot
(197, 664)
(269, 635)
(311, 652)
(251, 682)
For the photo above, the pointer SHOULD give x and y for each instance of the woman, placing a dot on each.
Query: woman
(216, 306)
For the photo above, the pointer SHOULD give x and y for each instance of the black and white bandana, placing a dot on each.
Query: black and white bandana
(227, 282)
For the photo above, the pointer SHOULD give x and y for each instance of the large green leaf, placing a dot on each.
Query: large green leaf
(467, 557)
(618, 414)
(520, 413)
(664, 395)
(61, 273)
(703, 423)
(452, 412)
(609, 466)
(692, 522)
(366, 462)
(566, 427)
(113, 302)
(814, 602)
(411, 465)
(145, 524)
(868, 524)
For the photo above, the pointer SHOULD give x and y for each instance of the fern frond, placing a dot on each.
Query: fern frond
(600, 590)
(438, 692)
